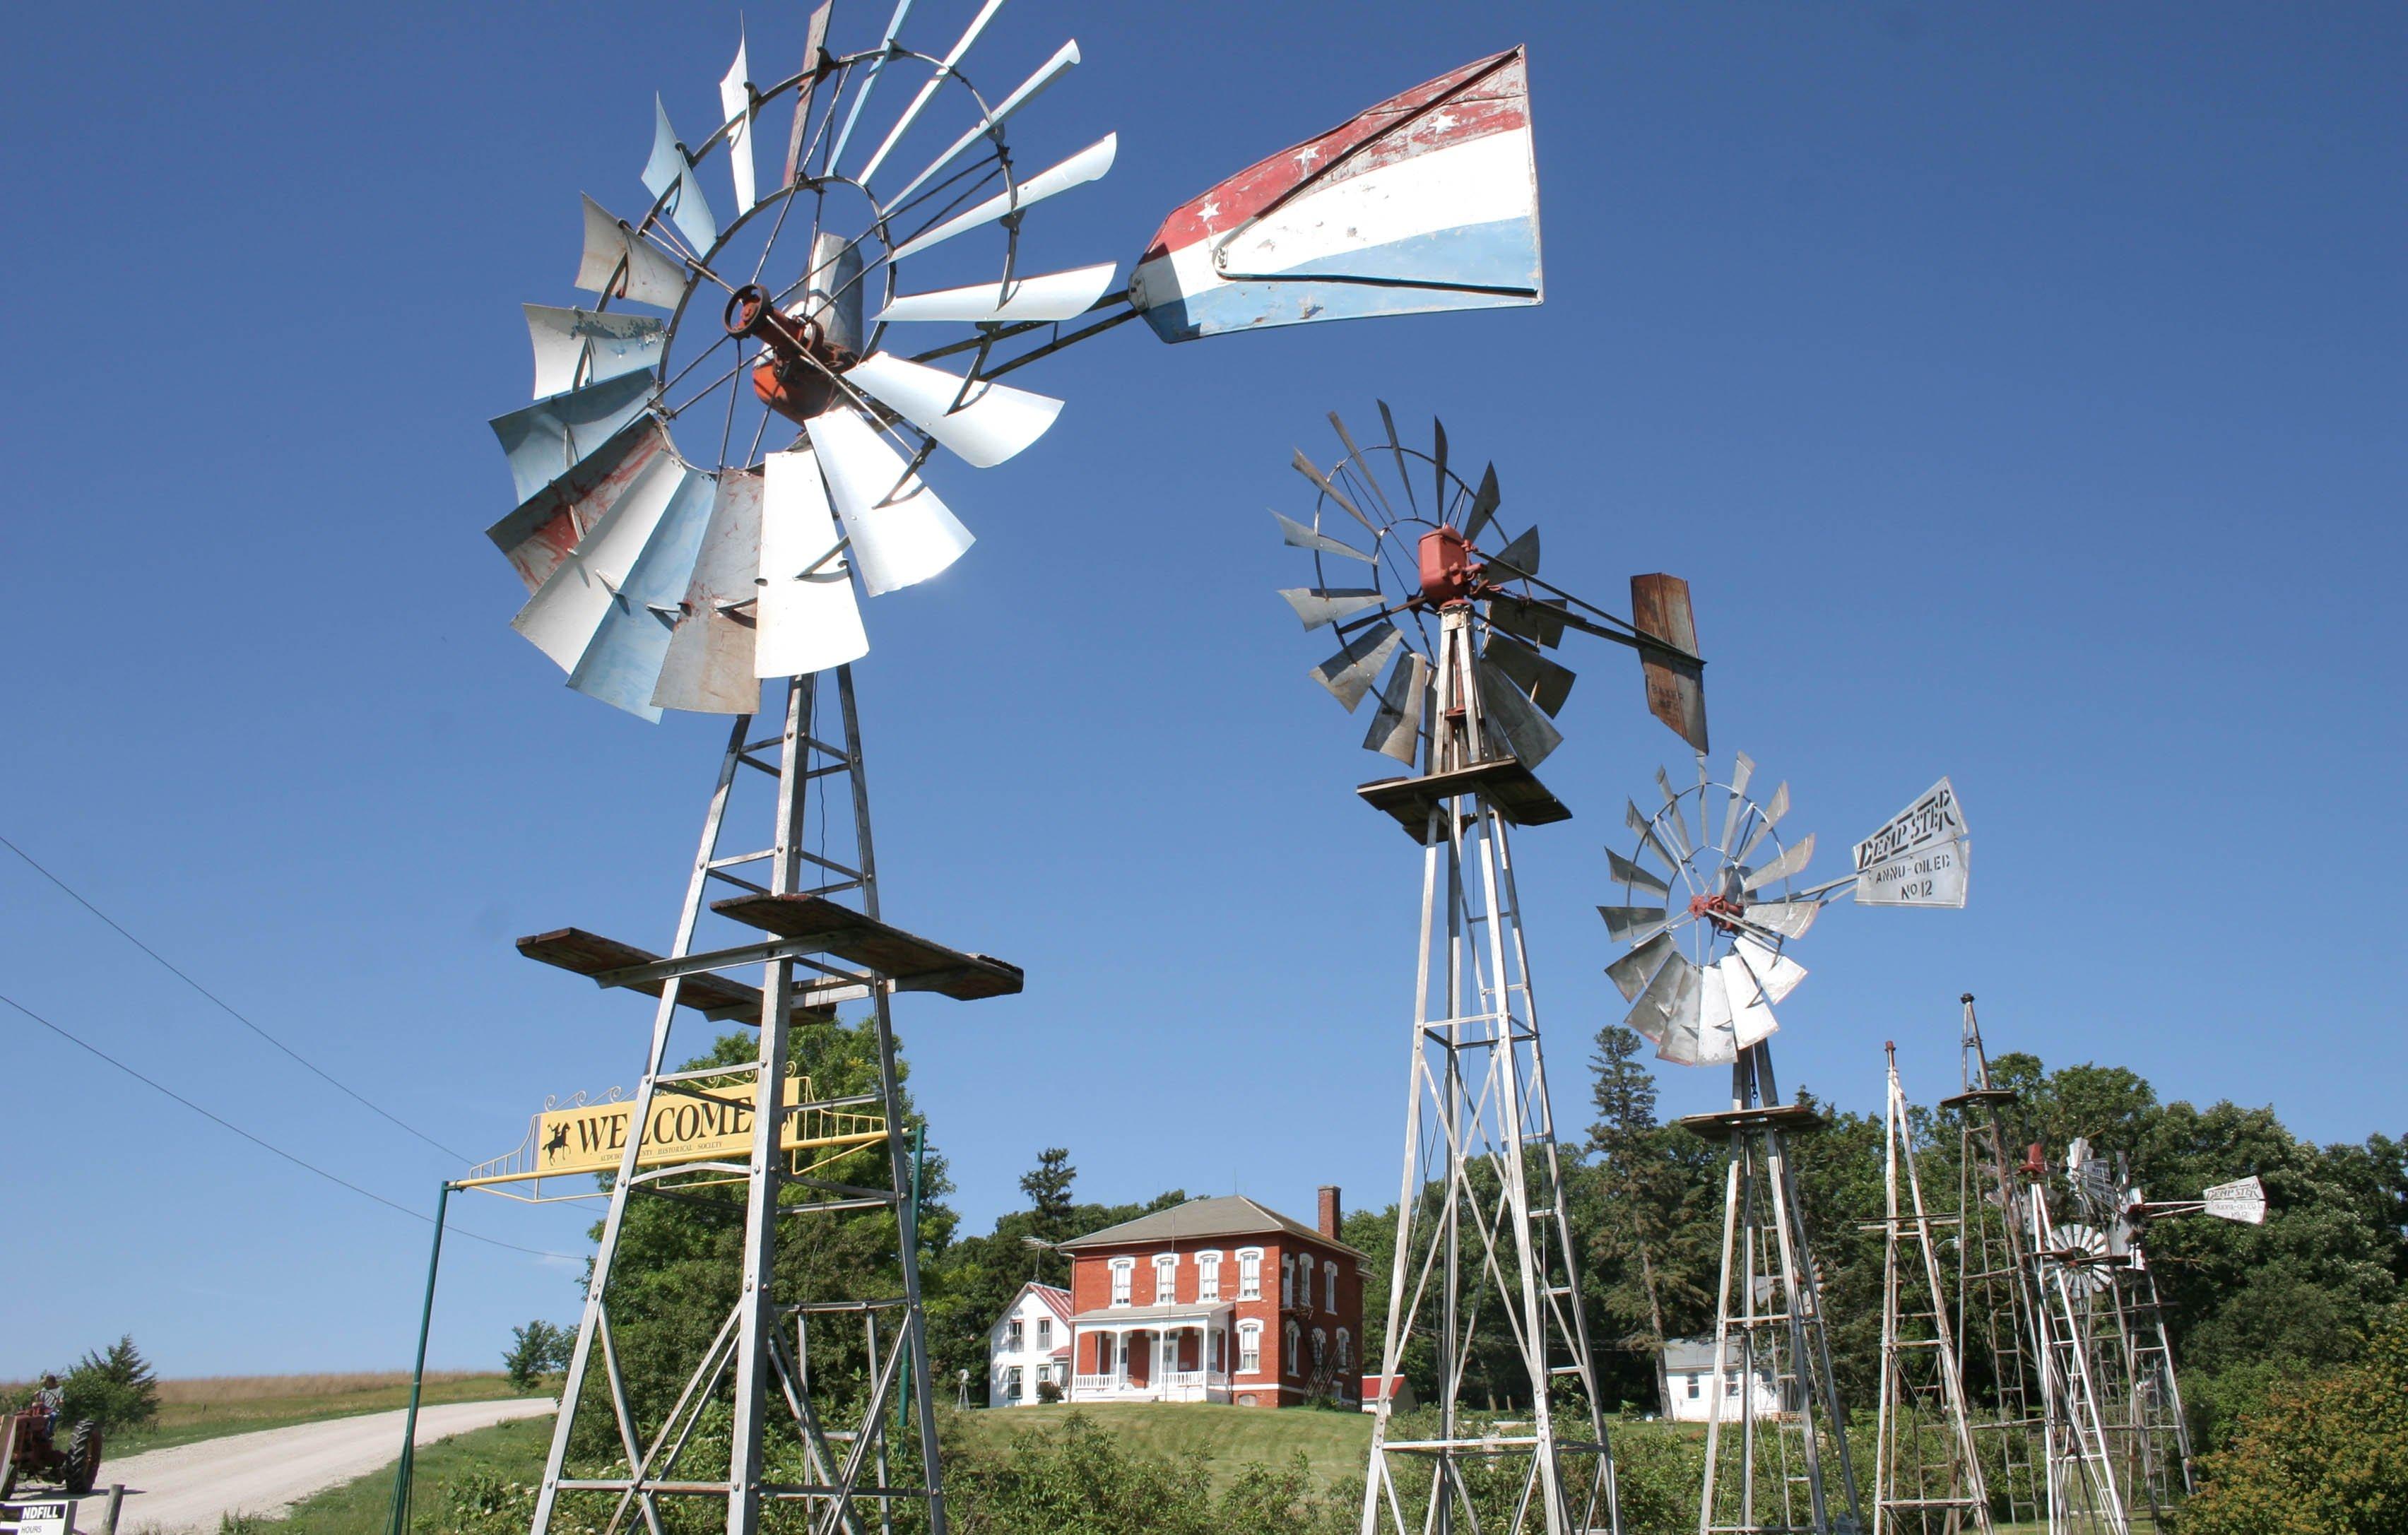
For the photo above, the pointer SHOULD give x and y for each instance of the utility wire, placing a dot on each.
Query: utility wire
(230, 1010)
(224, 1124)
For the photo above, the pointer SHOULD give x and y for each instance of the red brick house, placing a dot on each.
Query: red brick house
(1217, 1299)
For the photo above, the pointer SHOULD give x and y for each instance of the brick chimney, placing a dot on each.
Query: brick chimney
(1330, 1210)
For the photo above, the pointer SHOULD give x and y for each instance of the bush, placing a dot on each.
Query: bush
(115, 1388)
(1048, 1391)
(536, 1349)
(2322, 1456)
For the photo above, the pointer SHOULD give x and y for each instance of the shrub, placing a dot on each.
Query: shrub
(114, 1388)
(536, 1350)
(2322, 1456)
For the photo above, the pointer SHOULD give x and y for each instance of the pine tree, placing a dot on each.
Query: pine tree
(1048, 1187)
(1624, 1091)
(114, 1387)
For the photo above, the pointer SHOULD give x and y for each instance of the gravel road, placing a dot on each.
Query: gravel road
(189, 1486)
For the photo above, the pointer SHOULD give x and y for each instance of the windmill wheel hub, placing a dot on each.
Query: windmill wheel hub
(797, 379)
(1448, 572)
(1717, 909)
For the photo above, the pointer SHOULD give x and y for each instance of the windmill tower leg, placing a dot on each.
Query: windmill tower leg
(1922, 1380)
(1484, 1241)
(853, 1473)
(1769, 1322)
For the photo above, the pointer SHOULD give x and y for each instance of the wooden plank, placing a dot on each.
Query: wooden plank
(1789, 1117)
(912, 962)
(713, 996)
(1510, 788)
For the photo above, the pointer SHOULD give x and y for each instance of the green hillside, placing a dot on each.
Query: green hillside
(1334, 1444)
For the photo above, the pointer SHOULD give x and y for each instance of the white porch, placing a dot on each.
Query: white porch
(1152, 1354)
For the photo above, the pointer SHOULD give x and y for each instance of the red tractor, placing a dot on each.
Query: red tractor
(30, 1447)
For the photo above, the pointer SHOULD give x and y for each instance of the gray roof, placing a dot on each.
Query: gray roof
(1214, 1216)
(1698, 1354)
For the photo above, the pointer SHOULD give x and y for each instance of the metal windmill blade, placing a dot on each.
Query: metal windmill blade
(1377, 495)
(1732, 911)
(1427, 201)
(699, 494)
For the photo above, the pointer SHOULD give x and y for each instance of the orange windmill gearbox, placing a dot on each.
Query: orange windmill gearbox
(797, 379)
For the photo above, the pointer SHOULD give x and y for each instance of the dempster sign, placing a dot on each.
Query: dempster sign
(681, 1128)
(1919, 858)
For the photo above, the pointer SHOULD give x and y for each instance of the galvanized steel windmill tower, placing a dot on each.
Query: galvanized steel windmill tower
(1996, 1299)
(701, 493)
(1927, 1474)
(1485, 1255)
(1710, 917)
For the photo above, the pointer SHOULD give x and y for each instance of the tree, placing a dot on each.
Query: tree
(536, 1349)
(2326, 1456)
(1048, 1187)
(114, 1387)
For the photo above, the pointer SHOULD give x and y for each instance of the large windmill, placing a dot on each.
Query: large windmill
(1415, 574)
(705, 492)
(1710, 904)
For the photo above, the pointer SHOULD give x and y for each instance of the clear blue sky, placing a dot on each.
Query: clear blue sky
(2020, 388)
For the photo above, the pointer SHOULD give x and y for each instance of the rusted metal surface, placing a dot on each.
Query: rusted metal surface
(714, 997)
(542, 531)
(709, 667)
(1676, 693)
(901, 957)
(1426, 201)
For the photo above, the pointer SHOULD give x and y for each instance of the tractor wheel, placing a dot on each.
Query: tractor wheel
(7, 1456)
(83, 1458)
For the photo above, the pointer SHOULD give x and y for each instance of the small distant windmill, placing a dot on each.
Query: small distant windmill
(1417, 575)
(1708, 915)
(2147, 1430)
(1927, 1474)
(705, 493)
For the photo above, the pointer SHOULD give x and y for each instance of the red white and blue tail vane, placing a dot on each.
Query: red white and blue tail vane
(1428, 201)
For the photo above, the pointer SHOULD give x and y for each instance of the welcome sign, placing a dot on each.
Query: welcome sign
(687, 1127)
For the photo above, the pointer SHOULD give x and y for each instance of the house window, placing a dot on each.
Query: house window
(1208, 1276)
(1250, 1348)
(1166, 1279)
(1287, 1282)
(1012, 1337)
(1012, 1384)
(1291, 1350)
(1693, 1388)
(1329, 1286)
(1250, 1273)
(1121, 1268)
(1320, 1352)
(1345, 1352)
(1045, 1332)
(1731, 1383)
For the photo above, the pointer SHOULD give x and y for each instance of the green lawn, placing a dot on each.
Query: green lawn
(512, 1451)
(1334, 1444)
(205, 1409)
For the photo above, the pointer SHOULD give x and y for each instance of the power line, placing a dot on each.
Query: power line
(225, 1124)
(230, 1011)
